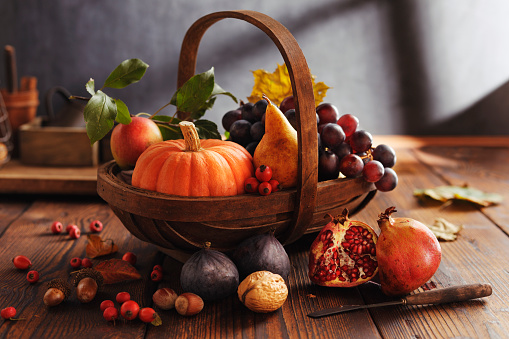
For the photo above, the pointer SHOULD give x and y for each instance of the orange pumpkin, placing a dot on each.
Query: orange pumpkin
(194, 167)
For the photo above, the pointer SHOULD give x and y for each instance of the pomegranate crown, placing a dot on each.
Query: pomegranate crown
(339, 219)
(387, 214)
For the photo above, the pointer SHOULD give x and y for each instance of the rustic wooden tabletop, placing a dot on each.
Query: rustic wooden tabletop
(478, 255)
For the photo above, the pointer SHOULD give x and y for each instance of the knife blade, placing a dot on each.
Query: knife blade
(436, 296)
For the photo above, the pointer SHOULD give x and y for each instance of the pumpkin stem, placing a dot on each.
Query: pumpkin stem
(191, 137)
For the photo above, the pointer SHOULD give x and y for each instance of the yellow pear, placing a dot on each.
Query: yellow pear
(278, 148)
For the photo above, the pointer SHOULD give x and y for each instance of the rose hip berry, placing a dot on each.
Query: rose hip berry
(263, 173)
(158, 268)
(156, 275)
(265, 188)
(130, 309)
(87, 263)
(56, 227)
(251, 185)
(33, 277)
(8, 313)
(147, 315)
(75, 262)
(130, 257)
(122, 297)
(69, 227)
(75, 233)
(105, 304)
(110, 313)
(275, 185)
(21, 262)
(96, 226)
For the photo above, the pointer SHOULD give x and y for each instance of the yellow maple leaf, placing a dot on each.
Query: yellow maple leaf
(277, 86)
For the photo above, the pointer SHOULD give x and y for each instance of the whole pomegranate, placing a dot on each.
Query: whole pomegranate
(408, 254)
(343, 254)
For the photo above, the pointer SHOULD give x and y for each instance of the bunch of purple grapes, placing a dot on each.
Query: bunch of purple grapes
(346, 149)
(246, 124)
(342, 146)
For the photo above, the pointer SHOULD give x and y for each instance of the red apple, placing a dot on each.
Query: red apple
(129, 141)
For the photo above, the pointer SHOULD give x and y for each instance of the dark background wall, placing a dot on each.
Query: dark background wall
(401, 66)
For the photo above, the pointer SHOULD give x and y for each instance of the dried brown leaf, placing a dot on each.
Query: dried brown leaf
(97, 247)
(117, 270)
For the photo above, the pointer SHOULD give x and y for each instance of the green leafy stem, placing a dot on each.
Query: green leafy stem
(194, 98)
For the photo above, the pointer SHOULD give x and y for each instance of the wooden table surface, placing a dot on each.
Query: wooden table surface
(479, 255)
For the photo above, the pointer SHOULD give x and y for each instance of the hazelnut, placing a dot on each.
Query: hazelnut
(188, 304)
(164, 298)
(263, 291)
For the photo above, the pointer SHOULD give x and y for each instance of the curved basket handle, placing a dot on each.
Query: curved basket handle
(302, 87)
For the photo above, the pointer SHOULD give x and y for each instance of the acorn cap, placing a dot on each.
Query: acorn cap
(61, 285)
(89, 273)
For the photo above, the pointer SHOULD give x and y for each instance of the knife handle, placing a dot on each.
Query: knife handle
(449, 294)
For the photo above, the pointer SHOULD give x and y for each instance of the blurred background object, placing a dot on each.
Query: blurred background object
(6, 143)
(401, 66)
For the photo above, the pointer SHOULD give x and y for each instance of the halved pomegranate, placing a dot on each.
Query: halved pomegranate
(344, 253)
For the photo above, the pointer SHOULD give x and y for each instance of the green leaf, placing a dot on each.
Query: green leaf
(207, 129)
(195, 92)
(128, 72)
(203, 109)
(445, 193)
(219, 91)
(99, 114)
(90, 86)
(123, 115)
(168, 132)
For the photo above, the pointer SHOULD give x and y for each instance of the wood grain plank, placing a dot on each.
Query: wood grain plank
(484, 168)
(50, 254)
(10, 209)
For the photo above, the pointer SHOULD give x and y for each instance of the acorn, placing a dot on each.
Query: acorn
(87, 281)
(58, 291)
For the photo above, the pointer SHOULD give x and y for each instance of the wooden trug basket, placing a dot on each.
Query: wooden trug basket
(180, 225)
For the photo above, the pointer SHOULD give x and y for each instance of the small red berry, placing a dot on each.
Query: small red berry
(156, 275)
(130, 257)
(75, 233)
(56, 227)
(110, 313)
(8, 312)
(96, 226)
(122, 297)
(263, 173)
(158, 268)
(129, 309)
(265, 188)
(87, 263)
(75, 262)
(275, 185)
(33, 277)
(21, 262)
(69, 227)
(147, 315)
(105, 304)
(251, 185)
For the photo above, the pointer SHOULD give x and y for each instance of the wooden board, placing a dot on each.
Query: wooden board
(56, 146)
(16, 178)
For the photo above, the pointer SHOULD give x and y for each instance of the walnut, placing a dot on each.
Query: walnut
(263, 291)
